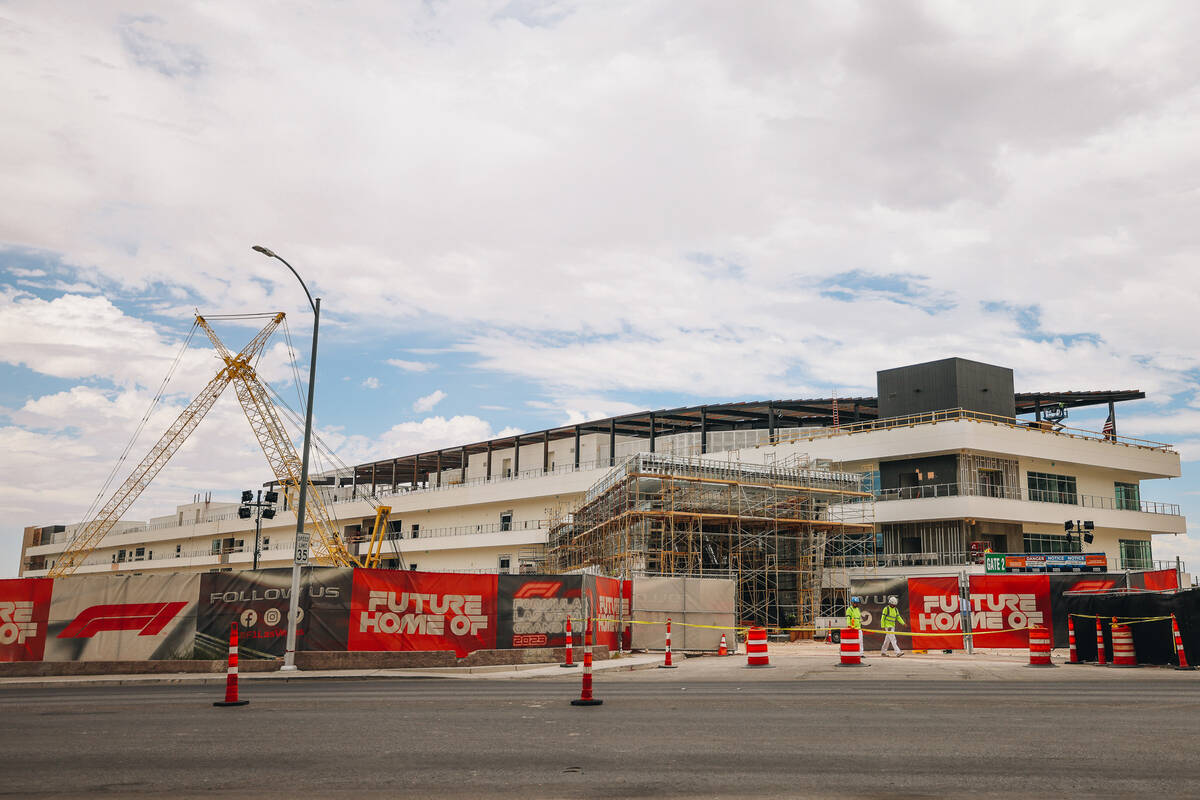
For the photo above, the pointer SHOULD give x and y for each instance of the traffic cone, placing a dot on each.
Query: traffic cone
(1183, 662)
(667, 657)
(724, 649)
(231, 672)
(1039, 647)
(851, 649)
(1071, 640)
(570, 658)
(1100, 659)
(585, 694)
(756, 648)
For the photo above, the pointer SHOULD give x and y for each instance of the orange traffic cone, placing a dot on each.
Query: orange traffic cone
(570, 658)
(1183, 662)
(585, 694)
(231, 673)
(724, 649)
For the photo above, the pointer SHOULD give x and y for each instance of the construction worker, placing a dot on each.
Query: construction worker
(854, 614)
(887, 621)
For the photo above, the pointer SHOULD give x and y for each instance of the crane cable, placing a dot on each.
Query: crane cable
(154, 402)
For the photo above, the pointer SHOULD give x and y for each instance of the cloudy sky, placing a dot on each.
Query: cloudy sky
(523, 213)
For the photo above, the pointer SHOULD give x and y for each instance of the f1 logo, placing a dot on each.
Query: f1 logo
(546, 589)
(147, 619)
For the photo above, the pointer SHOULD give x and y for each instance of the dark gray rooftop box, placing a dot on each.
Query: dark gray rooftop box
(948, 383)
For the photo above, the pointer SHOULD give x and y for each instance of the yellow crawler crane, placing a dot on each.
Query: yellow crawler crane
(264, 420)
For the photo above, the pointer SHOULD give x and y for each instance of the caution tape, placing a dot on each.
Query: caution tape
(743, 629)
(1123, 620)
(944, 633)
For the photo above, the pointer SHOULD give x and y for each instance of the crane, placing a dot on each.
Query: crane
(278, 448)
(272, 437)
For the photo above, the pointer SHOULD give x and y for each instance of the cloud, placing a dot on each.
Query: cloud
(773, 208)
(427, 402)
(410, 366)
(371, 383)
(416, 436)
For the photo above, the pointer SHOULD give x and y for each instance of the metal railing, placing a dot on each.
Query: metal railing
(960, 414)
(464, 530)
(1020, 493)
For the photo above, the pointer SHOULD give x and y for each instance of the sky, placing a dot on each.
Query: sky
(521, 214)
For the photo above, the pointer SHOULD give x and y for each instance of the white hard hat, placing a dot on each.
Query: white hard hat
(893, 600)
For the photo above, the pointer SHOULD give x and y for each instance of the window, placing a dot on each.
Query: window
(506, 521)
(1047, 488)
(266, 542)
(506, 468)
(216, 546)
(1135, 554)
(178, 550)
(1051, 543)
(412, 567)
(505, 565)
(1128, 496)
(991, 483)
(139, 554)
(416, 531)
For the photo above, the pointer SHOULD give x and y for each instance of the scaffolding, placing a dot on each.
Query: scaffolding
(770, 527)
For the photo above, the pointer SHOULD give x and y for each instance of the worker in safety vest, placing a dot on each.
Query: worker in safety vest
(854, 614)
(887, 621)
(854, 620)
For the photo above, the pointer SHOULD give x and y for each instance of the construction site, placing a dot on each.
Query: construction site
(771, 528)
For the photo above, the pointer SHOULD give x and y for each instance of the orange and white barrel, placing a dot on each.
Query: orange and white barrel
(851, 648)
(1039, 647)
(756, 648)
(1123, 654)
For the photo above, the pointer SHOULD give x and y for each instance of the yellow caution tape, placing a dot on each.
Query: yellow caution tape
(1123, 620)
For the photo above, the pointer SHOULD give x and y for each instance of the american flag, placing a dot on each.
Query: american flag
(1110, 426)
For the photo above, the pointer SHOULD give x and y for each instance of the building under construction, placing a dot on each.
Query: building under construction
(770, 527)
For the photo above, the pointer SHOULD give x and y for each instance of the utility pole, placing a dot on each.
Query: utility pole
(301, 552)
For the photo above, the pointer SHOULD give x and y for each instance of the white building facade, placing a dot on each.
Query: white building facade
(947, 483)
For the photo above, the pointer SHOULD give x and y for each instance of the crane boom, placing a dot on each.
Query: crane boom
(88, 536)
(280, 452)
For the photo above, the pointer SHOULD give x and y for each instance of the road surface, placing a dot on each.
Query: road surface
(653, 737)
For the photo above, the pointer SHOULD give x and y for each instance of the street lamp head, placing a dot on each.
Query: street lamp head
(265, 251)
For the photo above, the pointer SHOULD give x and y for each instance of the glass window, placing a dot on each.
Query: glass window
(1045, 487)
(1135, 554)
(1128, 496)
(1051, 543)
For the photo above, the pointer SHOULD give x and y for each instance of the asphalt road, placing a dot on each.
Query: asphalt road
(761, 737)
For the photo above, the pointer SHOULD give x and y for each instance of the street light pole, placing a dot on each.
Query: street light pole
(301, 551)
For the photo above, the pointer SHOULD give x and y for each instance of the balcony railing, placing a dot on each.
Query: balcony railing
(1020, 493)
(957, 414)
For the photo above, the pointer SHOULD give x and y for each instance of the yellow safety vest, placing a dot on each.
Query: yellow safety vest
(891, 615)
(853, 617)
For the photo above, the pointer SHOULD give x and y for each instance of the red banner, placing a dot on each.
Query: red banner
(1161, 579)
(1006, 602)
(401, 610)
(933, 607)
(607, 606)
(24, 610)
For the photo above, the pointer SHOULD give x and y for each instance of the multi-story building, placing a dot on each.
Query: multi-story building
(956, 460)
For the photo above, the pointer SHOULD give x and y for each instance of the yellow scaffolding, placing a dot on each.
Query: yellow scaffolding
(770, 527)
